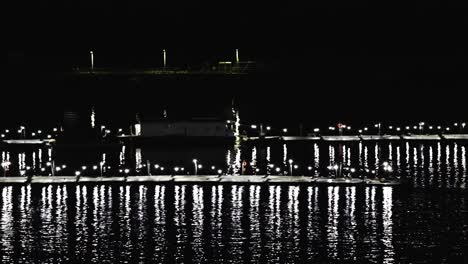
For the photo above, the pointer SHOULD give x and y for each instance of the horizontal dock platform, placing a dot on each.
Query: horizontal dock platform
(341, 138)
(379, 137)
(194, 179)
(421, 137)
(455, 136)
(300, 138)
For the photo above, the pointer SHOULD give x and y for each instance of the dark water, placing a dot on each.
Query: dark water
(232, 224)
(423, 222)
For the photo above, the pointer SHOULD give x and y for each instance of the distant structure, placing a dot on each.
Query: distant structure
(238, 66)
(197, 127)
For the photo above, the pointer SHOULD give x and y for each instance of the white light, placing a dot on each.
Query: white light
(49, 136)
(349, 128)
(2, 135)
(365, 129)
(39, 131)
(268, 128)
(55, 129)
(376, 125)
(390, 127)
(271, 165)
(407, 127)
(212, 167)
(83, 167)
(439, 127)
(398, 129)
(220, 171)
(296, 166)
(316, 129)
(182, 169)
(6, 164)
(254, 126)
(200, 166)
(385, 163)
(19, 131)
(463, 124)
(285, 130)
(360, 130)
(252, 163)
(373, 171)
(456, 124)
(120, 170)
(94, 167)
(77, 173)
(309, 168)
(335, 167)
(120, 130)
(33, 134)
(415, 127)
(277, 169)
(448, 129)
(156, 166)
(109, 167)
(58, 169)
(7, 131)
(176, 168)
(330, 167)
(64, 166)
(353, 170)
(195, 160)
(331, 128)
(162, 168)
(290, 161)
(430, 127)
(48, 163)
(229, 121)
(126, 171)
(257, 169)
(42, 169)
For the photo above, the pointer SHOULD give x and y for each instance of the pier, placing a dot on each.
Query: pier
(196, 179)
(349, 138)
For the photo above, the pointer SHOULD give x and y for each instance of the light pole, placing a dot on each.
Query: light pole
(237, 56)
(195, 165)
(164, 59)
(421, 127)
(101, 164)
(290, 167)
(378, 126)
(92, 59)
(5, 166)
(148, 167)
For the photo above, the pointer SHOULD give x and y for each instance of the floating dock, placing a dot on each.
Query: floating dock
(195, 179)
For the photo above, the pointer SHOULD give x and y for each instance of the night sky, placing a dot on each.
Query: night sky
(324, 63)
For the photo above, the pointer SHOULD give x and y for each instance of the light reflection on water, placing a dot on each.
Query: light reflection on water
(228, 223)
(425, 164)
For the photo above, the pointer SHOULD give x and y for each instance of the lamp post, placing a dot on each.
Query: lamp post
(290, 167)
(195, 165)
(92, 59)
(5, 166)
(421, 127)
(164, 59)
(378, 125)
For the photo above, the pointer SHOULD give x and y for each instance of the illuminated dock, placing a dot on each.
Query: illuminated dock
(196, 179)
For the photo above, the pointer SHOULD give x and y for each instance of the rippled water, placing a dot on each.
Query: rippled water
(232, 224)
(425, 164)
(425, 221)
